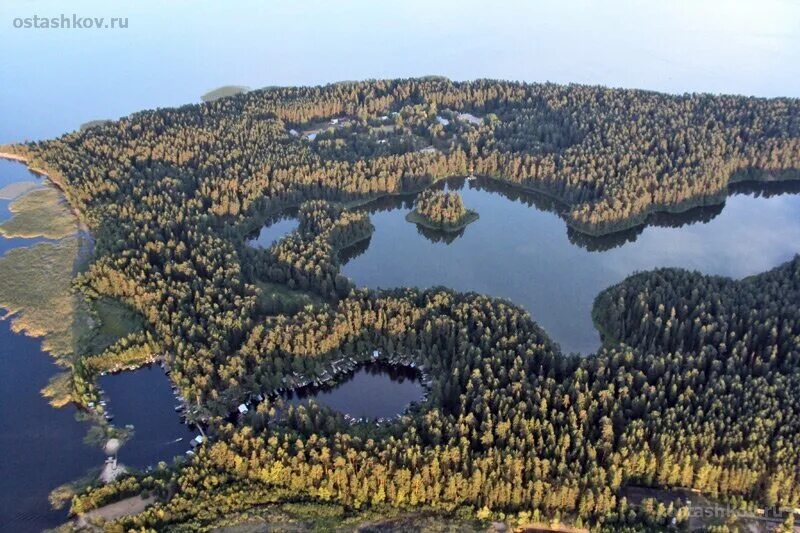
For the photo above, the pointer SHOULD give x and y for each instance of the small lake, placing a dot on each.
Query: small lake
(521, 249)
(373, 391)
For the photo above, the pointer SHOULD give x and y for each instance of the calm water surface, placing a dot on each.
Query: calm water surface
(273, 232)
(373, 391)
(41, 447)
(520, 249)
(745, 47)
(143, 398)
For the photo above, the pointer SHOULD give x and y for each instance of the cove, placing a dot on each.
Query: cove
(143, 399)
(373, 391)
(522, 250)
(274, 230)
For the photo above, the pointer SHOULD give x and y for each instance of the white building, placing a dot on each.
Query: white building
(472, 119)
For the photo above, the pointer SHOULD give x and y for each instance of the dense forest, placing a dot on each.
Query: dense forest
(513, 426)
(696, 385)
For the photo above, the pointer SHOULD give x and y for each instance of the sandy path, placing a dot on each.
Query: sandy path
(125, 507)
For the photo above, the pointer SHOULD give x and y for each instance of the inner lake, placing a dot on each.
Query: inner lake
(521, 249)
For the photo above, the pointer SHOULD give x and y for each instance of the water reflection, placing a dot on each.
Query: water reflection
(701, 214)
(374, 391)
(274, 229)
(520, 249)
(607, 242)
(765, 189)
(354, 250)
(435, 235)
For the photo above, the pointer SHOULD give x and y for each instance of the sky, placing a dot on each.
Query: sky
(53, 80)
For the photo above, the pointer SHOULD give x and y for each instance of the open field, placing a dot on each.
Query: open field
(128, 506)
(114, 321)
(224, 91)
(277, 298)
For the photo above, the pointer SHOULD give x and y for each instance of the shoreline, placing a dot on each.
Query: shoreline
(13, 157)
(81, 224)
(642, 219)
(26, 161)
(632, 222)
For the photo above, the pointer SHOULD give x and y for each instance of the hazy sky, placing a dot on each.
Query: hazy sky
(173, 51)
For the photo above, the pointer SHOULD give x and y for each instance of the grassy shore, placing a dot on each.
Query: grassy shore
(39, 213)
(38, 296)
(276, 298)
(37, 292)
(17, 189)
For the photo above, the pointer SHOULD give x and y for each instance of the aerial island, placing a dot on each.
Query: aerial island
(441, 210)
(697, 384)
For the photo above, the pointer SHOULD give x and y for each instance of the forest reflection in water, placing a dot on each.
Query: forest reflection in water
(521, 249)
(373, 391)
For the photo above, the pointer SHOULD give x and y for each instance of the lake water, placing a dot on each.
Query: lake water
(173, 52)
(41, 447)
(144, 399)
(373, 391)
(273, 231)
(520, 249)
